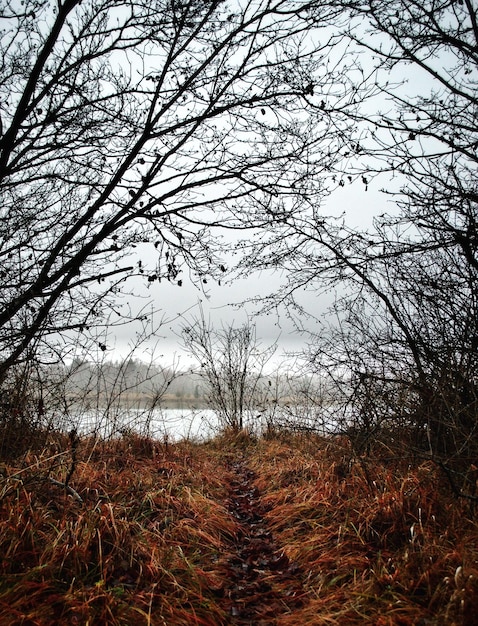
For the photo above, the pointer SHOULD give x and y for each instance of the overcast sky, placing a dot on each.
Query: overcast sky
(175, 305)
(222, 304)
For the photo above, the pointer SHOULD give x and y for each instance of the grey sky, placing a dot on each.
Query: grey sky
(222, 304)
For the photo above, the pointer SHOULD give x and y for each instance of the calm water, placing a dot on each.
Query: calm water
(176, 424)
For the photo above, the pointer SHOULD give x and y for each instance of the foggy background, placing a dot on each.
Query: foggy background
(231, 302)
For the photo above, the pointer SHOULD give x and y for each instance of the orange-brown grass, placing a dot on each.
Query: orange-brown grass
(144, 547)
(377, 542)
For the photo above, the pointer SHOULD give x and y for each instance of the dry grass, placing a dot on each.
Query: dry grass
(143, 547)
(378, 543)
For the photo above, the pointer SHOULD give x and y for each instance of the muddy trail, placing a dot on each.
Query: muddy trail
(262, 582)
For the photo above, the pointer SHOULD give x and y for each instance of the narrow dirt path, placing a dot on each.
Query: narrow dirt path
(263, 583)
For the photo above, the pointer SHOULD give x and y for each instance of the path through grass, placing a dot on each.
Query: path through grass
(286, 530)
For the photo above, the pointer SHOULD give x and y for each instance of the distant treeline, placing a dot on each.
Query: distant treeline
(133, 381)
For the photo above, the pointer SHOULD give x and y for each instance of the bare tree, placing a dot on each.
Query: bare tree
(408, 291)
(422, 260)
(131, 132)
(427, 135)
(231, 362)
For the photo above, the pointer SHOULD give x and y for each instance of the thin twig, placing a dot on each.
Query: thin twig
(67, 488)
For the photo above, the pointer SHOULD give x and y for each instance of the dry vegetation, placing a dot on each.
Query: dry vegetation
(156, 540)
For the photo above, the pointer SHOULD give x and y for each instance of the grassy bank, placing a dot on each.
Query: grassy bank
(155, 537)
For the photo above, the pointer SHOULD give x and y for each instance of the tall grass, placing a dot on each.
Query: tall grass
(374, 541)
(385, 544)
(143, 547)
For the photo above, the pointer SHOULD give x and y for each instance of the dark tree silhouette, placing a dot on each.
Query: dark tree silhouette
(231, 363)
(406, 332)
(147, 127)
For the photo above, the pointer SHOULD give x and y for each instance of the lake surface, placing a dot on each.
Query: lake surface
(173, 424)
(181, 423)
